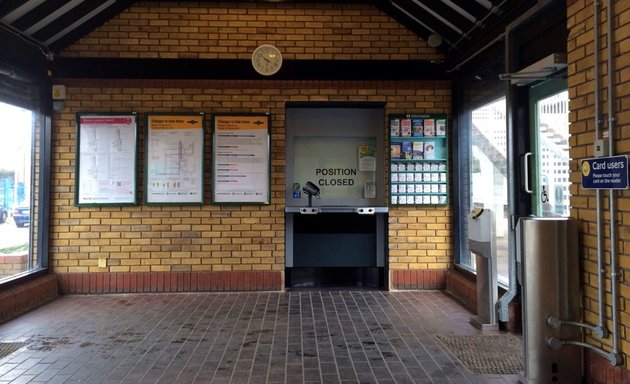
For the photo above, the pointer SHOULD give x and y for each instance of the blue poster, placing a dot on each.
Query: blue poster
(605, 173)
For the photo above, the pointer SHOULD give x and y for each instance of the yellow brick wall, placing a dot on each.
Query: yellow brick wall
(581, 92)
(184, 238)
(11, 265)
(215, 30)
(214, 238)
(211, 238)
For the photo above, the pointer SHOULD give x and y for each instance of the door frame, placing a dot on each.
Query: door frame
(536, 93)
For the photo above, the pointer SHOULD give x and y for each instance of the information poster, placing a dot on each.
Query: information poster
(174, 159)
(241, 151)
(106, 159)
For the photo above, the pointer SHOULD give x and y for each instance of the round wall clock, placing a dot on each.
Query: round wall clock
(267, 60)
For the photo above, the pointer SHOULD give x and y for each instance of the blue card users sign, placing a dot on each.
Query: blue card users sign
(605, 173)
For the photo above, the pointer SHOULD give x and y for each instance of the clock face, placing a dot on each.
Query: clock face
(267, 60)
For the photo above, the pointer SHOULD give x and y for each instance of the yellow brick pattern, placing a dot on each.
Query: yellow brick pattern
(581, 92)
(420, 239)
(302, 31)
(12, 264)
(214, 238)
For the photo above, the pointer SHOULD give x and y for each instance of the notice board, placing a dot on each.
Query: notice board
(241, 158)
(174, 158)
(106, 159)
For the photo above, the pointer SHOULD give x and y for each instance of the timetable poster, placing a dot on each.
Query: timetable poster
(106, 162)
(174, 159)
(241, 159)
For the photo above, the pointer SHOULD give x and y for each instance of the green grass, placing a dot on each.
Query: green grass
(14, 249)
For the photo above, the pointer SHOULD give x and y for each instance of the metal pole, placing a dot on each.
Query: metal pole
(611, 193)
(602, 331)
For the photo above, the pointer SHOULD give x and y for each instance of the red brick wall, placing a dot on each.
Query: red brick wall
(17, 300)
(145, 282)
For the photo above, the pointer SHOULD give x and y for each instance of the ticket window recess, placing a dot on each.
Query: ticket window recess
(335, 207)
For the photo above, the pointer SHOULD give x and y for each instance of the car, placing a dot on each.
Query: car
(21, 215)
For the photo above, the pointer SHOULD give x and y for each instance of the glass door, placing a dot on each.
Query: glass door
(549, 157)
(489, 174)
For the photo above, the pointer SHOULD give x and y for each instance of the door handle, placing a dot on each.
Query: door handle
(526, 172)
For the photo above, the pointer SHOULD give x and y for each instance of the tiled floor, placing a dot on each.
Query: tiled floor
(323, 336)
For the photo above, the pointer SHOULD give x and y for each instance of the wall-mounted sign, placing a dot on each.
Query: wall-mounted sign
(174, 159)
(241, 153)
(605, 173)
(106, 159)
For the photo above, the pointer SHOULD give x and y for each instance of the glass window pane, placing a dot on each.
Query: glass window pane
(336, 165)
(15, 190)
(488, 171)
(553, 141)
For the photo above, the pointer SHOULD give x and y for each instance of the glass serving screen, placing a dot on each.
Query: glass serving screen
(343, 168)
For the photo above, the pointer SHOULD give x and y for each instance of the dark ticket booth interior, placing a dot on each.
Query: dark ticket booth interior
(335, 202)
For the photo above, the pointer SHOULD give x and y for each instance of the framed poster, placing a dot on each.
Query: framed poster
(173, 163)
(106, 159)
(241, 153)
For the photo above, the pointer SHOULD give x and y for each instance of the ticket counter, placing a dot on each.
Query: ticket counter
(336, 218)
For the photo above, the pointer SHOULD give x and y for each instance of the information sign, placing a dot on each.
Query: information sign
(241, 153)
(106, 159)
(174, 159)
(605, 173)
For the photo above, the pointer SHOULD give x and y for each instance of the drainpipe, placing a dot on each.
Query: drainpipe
(611, 193)
(601, 330)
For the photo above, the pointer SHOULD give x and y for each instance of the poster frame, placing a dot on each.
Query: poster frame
(266, 200)
(133, 200)
(199, 159)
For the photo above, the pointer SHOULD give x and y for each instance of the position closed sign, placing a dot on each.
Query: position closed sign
(605, 173)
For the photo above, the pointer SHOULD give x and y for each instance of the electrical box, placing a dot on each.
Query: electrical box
(601, 148)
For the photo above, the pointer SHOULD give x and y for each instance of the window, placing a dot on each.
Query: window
(552, 116)
(16, 191)
(25, 158)
(488, 176)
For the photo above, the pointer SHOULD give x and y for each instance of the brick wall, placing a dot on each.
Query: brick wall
(28, 295)
(224, 240)
(581, 92)
(213, 238)
(12, 264)
(231, 31)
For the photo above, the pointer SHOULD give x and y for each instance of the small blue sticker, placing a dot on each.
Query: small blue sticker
(297, 193)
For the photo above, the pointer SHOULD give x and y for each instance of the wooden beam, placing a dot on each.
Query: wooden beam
(115, 68)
